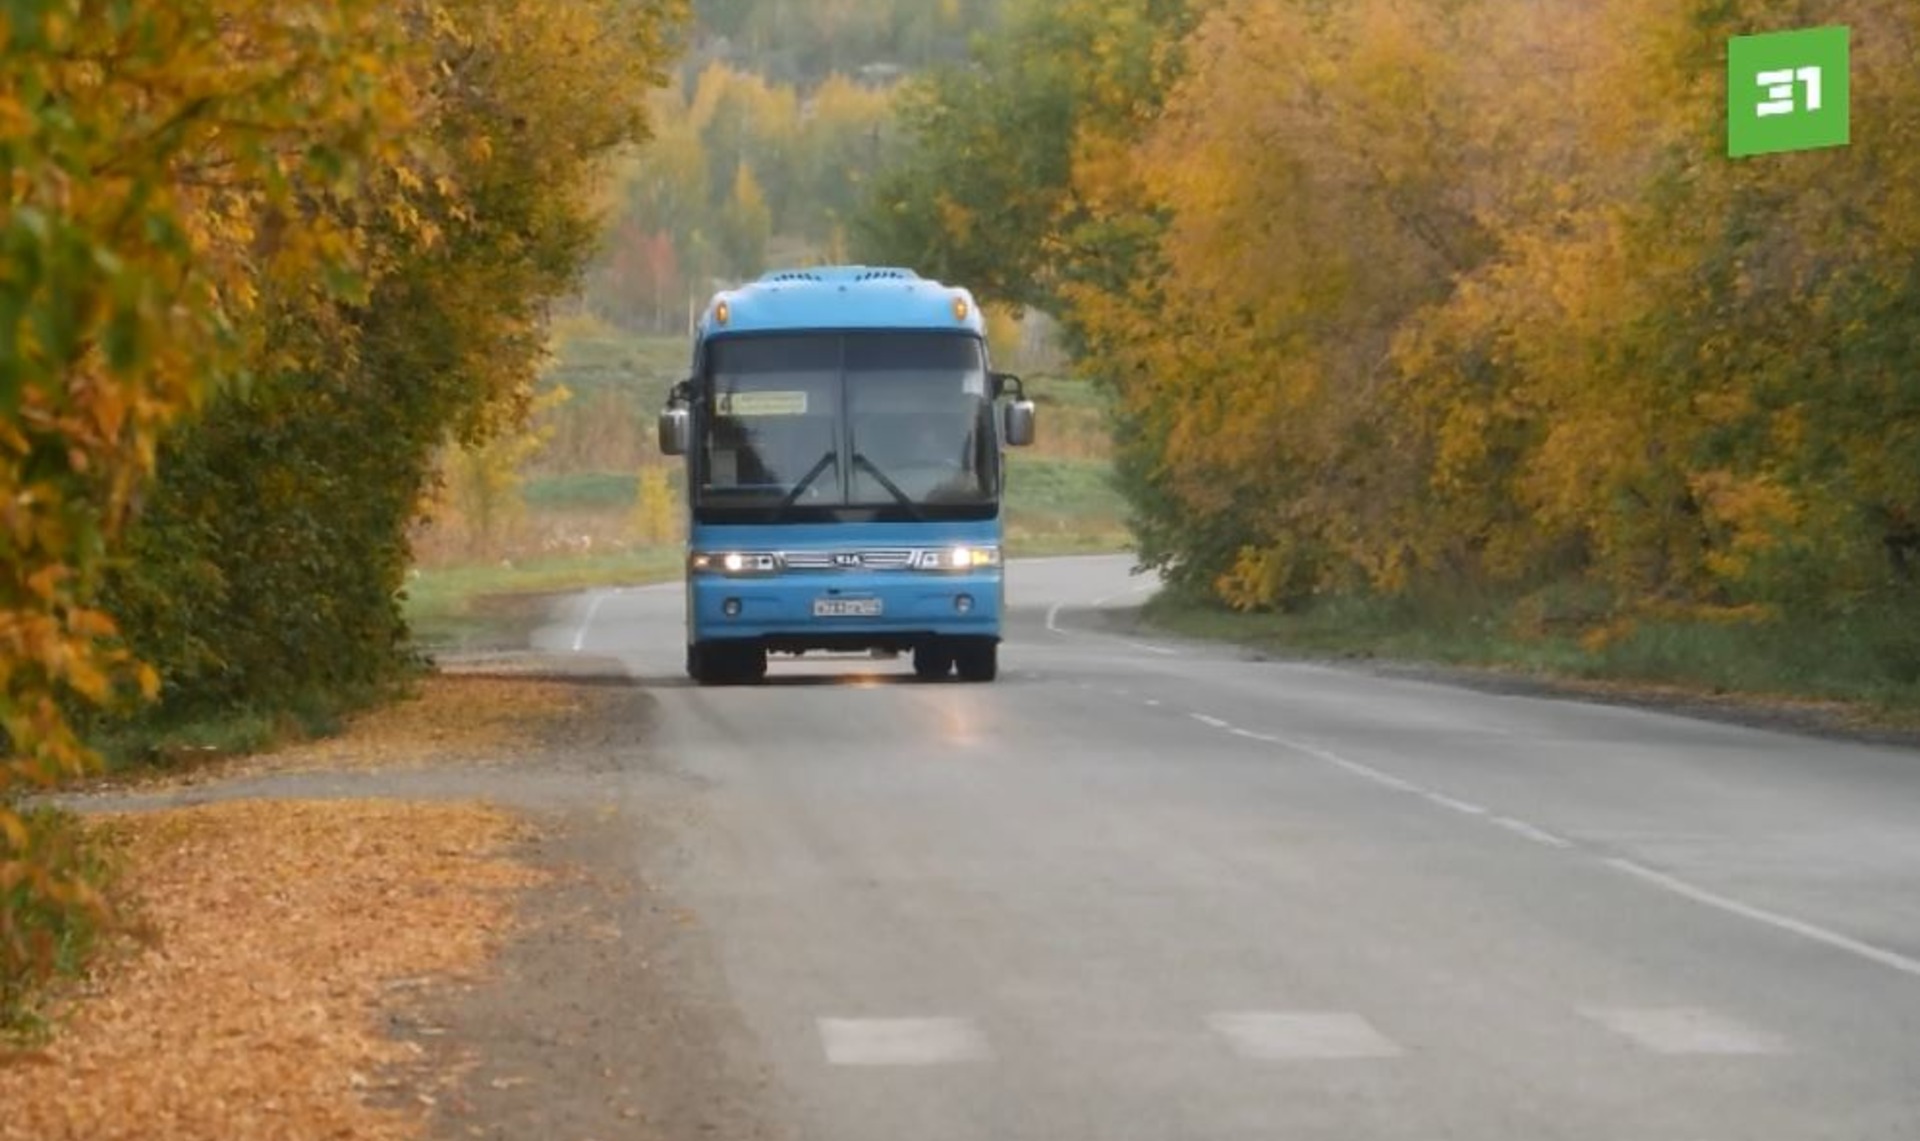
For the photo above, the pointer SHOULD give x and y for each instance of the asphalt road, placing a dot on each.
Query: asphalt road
(1150, 890)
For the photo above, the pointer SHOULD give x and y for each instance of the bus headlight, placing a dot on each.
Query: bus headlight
(732, 562)
(959, 558)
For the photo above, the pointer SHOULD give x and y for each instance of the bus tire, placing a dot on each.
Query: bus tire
(710, 663)
(700, 664)
(932, 661)
(977, 661)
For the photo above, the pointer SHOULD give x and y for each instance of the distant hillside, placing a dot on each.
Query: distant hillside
(802, 42)
(766, 145)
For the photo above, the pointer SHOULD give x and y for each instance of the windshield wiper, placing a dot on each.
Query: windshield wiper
(913, 509)
(806, 481)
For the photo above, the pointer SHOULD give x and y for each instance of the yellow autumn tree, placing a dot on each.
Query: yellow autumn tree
(657, 513)
(1465, 298)
(1470, 292)
(360, 210)
(1321, 171)
(1664, 381)
(486, 478)
(164, 166)
(283, 516)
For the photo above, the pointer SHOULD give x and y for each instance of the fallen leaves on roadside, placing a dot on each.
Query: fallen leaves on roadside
(451, 718)
(279, 932)
(458, 719)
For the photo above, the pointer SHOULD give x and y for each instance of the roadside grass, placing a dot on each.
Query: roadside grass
(593, 356)
(475, 605)
(1052, 486)
(1366, 627)
(465, 606)
(585, 490)
(1039, 539)
(145, 745)
(1059, 506)
(1867, 668)
(148, 743)
(1872, 660)
(48, 939)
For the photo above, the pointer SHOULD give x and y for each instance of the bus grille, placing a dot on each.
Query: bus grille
(870, 559)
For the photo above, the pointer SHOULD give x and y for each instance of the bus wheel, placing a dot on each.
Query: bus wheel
(932, 662)
(978, 661)
(723, 664)
(700, 664)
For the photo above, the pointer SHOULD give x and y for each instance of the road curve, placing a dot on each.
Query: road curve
(1146, 889)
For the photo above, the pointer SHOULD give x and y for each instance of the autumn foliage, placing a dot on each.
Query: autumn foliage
(1404, 298)
(742, 170)
(258, 262)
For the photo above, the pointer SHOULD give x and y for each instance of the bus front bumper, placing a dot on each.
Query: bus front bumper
(845, 612)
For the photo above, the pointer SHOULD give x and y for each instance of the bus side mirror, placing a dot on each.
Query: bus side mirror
(675, 430)
(1019, 426)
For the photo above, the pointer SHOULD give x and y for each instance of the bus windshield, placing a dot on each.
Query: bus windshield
(892, 424)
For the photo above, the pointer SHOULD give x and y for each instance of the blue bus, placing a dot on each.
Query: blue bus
(843, 432)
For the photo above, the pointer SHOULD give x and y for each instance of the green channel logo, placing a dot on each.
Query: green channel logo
(1788, 91)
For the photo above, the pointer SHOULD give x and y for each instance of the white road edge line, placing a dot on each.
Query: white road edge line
(1461, 806)
(1054, 627)
(1880, 955)
(1537, 835)
(1385, 780)
(580, 636)
(1213, 722)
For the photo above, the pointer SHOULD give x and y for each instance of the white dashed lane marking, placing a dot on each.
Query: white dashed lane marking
(1265, 1036)
(1860, 949)
(1368, 772)
(1684, 1030)
(901, 1041)
(1292, 1036)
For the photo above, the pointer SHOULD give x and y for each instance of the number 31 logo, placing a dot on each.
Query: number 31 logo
(1780, 84)
(1787, 91)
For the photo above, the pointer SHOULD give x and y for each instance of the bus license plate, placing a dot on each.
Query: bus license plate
(846, 607)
